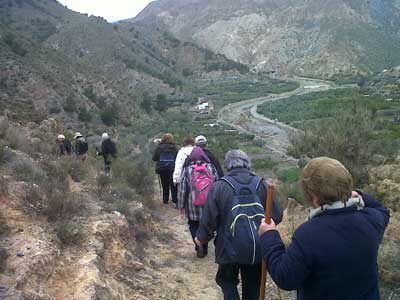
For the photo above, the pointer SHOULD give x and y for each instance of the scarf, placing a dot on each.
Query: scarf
(358, 201)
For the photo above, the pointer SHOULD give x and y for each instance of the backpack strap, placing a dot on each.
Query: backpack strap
(237, 186)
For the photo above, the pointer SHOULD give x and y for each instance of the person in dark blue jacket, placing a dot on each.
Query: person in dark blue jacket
(332, 256)
(216, 218)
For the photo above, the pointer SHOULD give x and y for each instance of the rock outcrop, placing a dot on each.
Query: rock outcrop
(304, 37)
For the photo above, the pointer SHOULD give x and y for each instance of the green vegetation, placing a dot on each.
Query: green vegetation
(241, 88)
(350, 136)
(262, 164)
(307, 110)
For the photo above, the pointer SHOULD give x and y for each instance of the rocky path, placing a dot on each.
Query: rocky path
(181, 274)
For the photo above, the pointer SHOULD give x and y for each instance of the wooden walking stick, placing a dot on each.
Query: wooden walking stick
(268, 216)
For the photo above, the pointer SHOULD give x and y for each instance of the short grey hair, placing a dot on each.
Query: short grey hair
(236, 159)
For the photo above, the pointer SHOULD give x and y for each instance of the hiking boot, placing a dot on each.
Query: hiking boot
(200, 252)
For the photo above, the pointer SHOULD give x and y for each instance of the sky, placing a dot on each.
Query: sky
(110, 10)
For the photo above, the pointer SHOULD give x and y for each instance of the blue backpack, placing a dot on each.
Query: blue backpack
(166, 162)
(241, 228)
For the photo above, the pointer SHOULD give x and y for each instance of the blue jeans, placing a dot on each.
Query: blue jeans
(228, 279)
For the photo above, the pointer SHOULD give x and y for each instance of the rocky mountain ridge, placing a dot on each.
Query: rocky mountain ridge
(58, 62)
(305, 37)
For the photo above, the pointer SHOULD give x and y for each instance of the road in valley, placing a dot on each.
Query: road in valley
(243, 117)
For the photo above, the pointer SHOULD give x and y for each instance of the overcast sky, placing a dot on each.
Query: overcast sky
(110, 10)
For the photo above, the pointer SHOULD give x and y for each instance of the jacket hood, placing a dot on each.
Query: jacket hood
(198, 154)
(187, 150)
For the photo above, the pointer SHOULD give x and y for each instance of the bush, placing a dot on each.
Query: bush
(16, 139)
(28, 170)
(61, 206)
(15, 45)
(138, 174)
(289, 175)
(103, 182)
(349, 138)
(4, 228)
(84, 115)
(70, 104)
(69, 233)
(263, 164)
(34, 198)
(109, 115)
(291, 190)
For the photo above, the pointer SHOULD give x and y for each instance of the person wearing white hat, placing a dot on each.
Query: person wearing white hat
(108, 151)
(64, 145)
(81, 147)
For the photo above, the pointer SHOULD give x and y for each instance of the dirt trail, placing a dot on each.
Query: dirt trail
(181, 274)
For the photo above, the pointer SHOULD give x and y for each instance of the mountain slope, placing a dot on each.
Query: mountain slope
(305, 37)
(82, 68)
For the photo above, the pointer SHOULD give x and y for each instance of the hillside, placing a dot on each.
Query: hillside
(58, 62)
(304, 37)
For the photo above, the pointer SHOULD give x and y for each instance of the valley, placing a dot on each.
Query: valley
(284, 81)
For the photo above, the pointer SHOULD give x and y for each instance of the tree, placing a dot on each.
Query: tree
(161, 104)
(146, 103)
(348, 137)
(109, 114)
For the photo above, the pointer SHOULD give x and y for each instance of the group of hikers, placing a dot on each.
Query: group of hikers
(333, 255)
(107, 149)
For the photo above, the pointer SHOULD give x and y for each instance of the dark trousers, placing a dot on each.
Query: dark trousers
(228, 279)
(193, 226)
(168, 184)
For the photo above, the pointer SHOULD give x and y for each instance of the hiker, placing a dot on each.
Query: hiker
(183, 153)
(164, 156)
(334, 254)
(197, 180)
(108, 151)
(64, 145)
(81, 147)
(234, 209)
(201, 142)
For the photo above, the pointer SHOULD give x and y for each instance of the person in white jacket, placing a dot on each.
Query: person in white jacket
(183, 153)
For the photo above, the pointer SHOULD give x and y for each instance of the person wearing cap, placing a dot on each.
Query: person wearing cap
(215, 218)
(334, 254)
(108, 151)
(64, 145)
(201, 142)
(81, 146)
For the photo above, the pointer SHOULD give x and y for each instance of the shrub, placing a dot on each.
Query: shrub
(289, 175)
(138, 174)
(28, 170)
(109, 115)
(61, 206)
(16, 139)
(161, 103)
(33, 198)
(263, 164)
(4, 228)
(350, 138)
(103, 182)
(290, 190)
(69, 233)
(15, 45)
(70, 104)
(84, 115)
